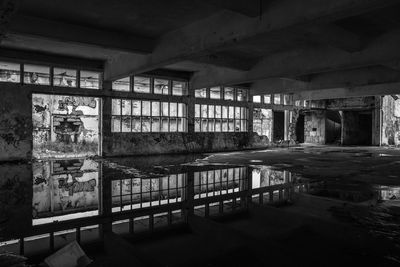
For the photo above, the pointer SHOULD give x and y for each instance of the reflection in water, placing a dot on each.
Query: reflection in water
(264, 176)
(389, 193)
(64, 187)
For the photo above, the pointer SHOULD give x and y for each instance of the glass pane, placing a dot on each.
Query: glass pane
(90, 79)
(121, 84)
(211, 125)
(287, 100)
(116, 106)
(10, 72)
(181, 125)
(237, 112)
(115, 124)
(197, 125)
(224, 112)
(215, 92)
(218, 124)
(126, 124)
(237, 125)
(173, 127)
(145, 124)
(243, 126)
(197, 111)
(64, 77)
(224, 125)
(155, 108)
(155, 125)
(161, 86)
(256, 99)
(229, 93)
(204, 111)
(126, 107)
(277, 99)
(141, 84)
(136, 108)
(173, 109)
(136, 125)
(218, 112)
(179, 88)
(231, 125)
(204, 125)
(243, 114)
(200, 93)
(36, 74)
(181, 110)
(145, 108)
(241, 94)
(210, 111)
(267, 99)
(164, 124)
(231, 112)
(165, 109)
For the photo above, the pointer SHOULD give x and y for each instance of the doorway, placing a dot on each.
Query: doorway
(300, 128)
(279, 126)
(333, 127)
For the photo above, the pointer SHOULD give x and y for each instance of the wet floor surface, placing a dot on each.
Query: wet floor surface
(357, 187)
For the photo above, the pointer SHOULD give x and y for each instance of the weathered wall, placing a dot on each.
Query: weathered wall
(391, 120)
(15, 123)
(314, 127)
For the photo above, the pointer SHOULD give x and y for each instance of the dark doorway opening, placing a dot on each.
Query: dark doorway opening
(279, 126)
(365, 125)
(357, 128)
(333, 127)
(300, 129)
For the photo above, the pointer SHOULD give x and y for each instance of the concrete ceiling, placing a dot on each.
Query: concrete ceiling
(263, 43)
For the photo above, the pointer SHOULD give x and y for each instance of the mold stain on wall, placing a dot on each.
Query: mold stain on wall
(65, 126)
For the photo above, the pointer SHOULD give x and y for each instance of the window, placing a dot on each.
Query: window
(89, 79)
(262, 122)
(277, 99)
(256, 99)
(216, 118)
(215, 92)
(161, 86)
(297, 103)
(241, 94)
(64, 77)
(229, 93)
(148, 116)
(200, 93)
(122, 84)
(10, 72)
(179, 88)
(141, 84)
(267, 99)
(287, 99)
(34, 74)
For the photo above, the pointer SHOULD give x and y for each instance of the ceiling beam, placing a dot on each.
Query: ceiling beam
(228, 28)
(70, 33)
(250, 8)
(226, 60)
(305, 61)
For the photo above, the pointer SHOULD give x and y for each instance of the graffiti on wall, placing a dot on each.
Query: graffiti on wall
(65, 126)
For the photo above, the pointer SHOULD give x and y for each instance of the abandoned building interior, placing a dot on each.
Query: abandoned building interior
(199, 133)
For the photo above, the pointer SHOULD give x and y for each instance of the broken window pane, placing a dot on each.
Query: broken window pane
(141, 84)
(277, 99)
(179, 88)
(64, 77)
(267, 99)
(116, 106)
(126, 107)
(145, 108)
(200, 93)
(161, 86)
(229, 93)
(256, 99)
(173, 109)
(155, 108)
(215, 92)
(121, 84)
(10, 72)
(136, 108)
(90, 79)
(34, 74)
(241, 94)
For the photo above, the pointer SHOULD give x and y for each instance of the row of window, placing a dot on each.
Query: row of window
(262, 122)
(215, 118)
(277, 99)
(46, 75)
(148, 116)
(225, 93)
(149, 85)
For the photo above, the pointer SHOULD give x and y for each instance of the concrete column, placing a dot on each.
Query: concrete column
(105, 117)
(250, 117)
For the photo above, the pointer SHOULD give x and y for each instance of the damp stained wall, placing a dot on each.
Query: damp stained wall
(314, 127)
(391, 120)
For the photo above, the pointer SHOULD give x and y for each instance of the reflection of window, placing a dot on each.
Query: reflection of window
(219, 182)
(179, 88)
(229, 93)
(161, 86)
(141, 84)
(216, 118)
(10, 72)
(215, 92)
(64, 77)
(34, 74)
(134, 193)
(262, 122)
(256, 99)
(90, 79)
(121, 84)
(148, 116)
(277, 99)
(200, 93)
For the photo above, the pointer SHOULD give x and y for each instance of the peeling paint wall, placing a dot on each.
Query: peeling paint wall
(65, 126)
(391, 120)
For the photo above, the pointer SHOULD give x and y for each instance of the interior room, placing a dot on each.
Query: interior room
(199, 133)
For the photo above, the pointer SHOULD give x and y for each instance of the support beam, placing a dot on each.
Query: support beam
(229, 28)
(250, 8)
(54, 30)
(226, 60)
(306, 61)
